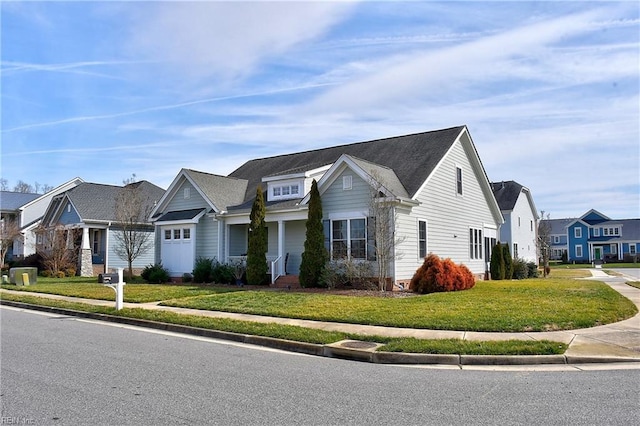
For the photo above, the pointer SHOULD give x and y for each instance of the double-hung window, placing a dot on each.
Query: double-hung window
(475, 243)
(348, 238)
(459, 180)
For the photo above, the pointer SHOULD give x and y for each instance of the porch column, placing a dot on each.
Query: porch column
(86, 260)
(281, 247)
(620, 253)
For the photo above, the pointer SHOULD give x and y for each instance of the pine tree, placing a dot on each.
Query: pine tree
(315, 255)
(497, 266)
(508, 262)
(257, 252)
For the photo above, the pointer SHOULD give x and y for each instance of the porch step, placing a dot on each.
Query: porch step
(287, 281)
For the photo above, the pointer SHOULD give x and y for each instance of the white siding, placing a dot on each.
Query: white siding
(519, 232)
(449, 216)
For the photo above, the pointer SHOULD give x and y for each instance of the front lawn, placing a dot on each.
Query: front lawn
(88, 288)
(525, 305)
(309, 335)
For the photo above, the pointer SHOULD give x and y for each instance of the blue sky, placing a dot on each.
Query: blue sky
(104, 90)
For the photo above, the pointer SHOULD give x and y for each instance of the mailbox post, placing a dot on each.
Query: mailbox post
(118, 287)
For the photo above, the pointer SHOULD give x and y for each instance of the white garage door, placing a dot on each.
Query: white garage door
(178, 250)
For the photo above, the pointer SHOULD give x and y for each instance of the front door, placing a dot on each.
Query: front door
(597, 253)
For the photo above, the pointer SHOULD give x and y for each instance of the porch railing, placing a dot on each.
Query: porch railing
(276, 269)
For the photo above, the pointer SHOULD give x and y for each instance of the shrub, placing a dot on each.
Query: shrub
(520, 269)
(155, 274)
(565, 257)
(333, 275)
(70, 272)
(436, 275)
(222, 273)
(202, 270)
(508, 262)
(187, 277)
(60, 274)
(532, 270)
(497, 267)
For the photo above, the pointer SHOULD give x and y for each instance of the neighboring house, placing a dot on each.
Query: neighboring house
(520, 219)
(596, 237)
(91, 208)
(435, 181)
(29, 210)
(10, 204)
(558, 235)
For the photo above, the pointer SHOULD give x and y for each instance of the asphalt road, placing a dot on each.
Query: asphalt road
(63, 370)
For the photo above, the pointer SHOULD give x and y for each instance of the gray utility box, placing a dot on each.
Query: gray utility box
(15, 275)
(108, 278)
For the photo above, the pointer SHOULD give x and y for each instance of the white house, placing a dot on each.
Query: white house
(435, 180)
(520, 229)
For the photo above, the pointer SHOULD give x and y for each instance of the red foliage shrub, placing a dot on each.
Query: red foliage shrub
(437, 275)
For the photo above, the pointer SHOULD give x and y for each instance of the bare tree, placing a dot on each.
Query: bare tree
(4, 184)
(544, 241)
(382, 225)
(58, 248)
(22, 186)
(9, 233)
(133, 238)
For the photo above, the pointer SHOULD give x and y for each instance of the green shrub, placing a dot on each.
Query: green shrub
(156, 274)
(520, 269)
(187, 277)
(202, 270)
(532, 270)
(497, 267)
(508, 262)
(222, 273)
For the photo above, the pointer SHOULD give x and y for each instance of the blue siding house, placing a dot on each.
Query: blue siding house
(594, 237)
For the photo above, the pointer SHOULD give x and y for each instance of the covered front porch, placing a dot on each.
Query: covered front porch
(285, 242)
(605, 252)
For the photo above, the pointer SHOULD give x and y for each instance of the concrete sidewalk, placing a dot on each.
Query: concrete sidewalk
(608, 343)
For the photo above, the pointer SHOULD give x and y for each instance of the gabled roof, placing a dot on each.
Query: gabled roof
(593, 217)
(218, 191)
(506, 193)
(12, 201)
(95, 202)
(412, 157)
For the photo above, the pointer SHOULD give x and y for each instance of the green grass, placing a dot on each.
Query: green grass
(569, 273)
(588, 265)
(526, 305)
(471, 347)
(135, 293)
(301, 334)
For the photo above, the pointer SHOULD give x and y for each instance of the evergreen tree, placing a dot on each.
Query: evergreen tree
(257, 253)
(508, 262)
(497, 266)
(315, 255)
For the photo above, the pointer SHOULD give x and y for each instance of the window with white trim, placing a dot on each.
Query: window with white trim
(614, 248)
(459, 180)
(596, 232)
(422, 239)
(176, 234)
(556, 239)
(186, 233)
(475, 243)
(632, 248)
(577, 232)
(187, 193)
(167, 234)
(285, 191)
(348, 239)
(578, 251)
(515, 250)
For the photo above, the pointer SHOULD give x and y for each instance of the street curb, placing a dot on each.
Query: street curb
(334, 350)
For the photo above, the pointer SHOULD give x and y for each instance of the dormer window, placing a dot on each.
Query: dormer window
(285, 191)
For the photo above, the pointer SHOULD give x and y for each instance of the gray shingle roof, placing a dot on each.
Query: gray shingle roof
(11, 201)
(180, 215)
(97, 202)
(220, 190)
(558, 226)
(506, 193)
(383, 175)
(412, 157)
